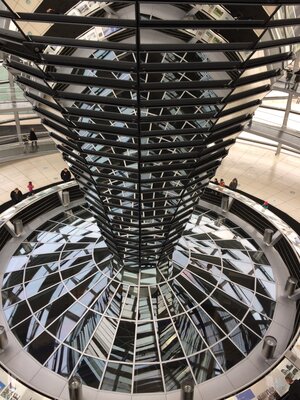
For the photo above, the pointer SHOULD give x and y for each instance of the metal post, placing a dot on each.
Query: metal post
(3, 339)
(18, 226)
(290, 286)
(225, 203)
(75, 388)
(187, 390)
(13, 97)
(278, 149)
(269, 347)
(268, 236)
(65, 198)
(14, 106)
(288, 108)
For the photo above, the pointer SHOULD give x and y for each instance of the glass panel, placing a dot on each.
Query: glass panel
(227, 354)
(146, 345)
(168, 342)
(90, 370)
(176, 372)
(147, 379)
(204, 366)
(63, 361)
(42, 347)
(117, 377)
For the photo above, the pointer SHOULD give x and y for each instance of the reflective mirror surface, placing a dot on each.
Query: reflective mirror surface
(76, 310)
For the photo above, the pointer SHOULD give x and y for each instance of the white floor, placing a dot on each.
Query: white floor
(40, 170)
(258, 170)
(261, 173)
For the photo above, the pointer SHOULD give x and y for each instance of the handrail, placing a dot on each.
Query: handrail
(41, 193)
(273, 218)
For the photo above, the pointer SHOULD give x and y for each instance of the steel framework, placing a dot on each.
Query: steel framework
(144, 99)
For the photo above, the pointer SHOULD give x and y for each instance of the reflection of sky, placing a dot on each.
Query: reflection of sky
(16, 263)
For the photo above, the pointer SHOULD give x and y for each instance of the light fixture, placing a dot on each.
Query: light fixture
(269, 347)
(290, 286)
(75, 388)
(187, 389)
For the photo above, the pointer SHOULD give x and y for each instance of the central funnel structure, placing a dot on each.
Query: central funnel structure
(144, 100)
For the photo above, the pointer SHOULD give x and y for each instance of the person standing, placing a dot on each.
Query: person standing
(294, 390)
(25, 143)
(289, 75)
(233, 184)
(265, 205)
(30, 188)
(33, 138)
(296, 81)
(65, 175)
(16, 195)
(222, 183)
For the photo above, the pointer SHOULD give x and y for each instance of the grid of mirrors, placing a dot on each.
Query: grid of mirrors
(76, 311)
(145, 98)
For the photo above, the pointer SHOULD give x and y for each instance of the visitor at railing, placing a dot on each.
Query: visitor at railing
(294, 390)
(65, 175)
(222, 182)
(16, 195)
(265, 205)
(233, 184)
(296, 81)
(30, 188)
(33, 138)
(25, 141)
(289, 75)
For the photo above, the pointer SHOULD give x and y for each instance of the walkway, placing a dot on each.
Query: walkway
(258, 170)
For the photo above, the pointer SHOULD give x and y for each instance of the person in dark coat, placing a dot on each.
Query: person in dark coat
(296, 81)
(16, 196)
(33, 138)
(289, 75)
(233, 184)
(65, 175)
(294, 390)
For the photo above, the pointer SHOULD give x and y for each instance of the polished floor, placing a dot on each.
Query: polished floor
(258, 170)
